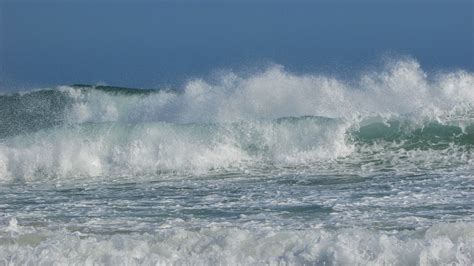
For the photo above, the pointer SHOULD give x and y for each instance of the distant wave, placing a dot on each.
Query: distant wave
(271, 118)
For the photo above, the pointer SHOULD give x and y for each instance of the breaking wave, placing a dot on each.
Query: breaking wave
(394, 116)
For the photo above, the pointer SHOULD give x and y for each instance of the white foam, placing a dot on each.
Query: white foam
(443, 244)
(147, 148)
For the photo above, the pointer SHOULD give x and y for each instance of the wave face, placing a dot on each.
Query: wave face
(264, 168)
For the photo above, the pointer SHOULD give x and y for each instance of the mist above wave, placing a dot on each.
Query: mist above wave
(399, 88)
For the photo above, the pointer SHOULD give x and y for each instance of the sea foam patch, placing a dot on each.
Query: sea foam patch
(440, 244)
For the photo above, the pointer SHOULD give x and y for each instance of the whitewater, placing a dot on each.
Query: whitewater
(266, 167)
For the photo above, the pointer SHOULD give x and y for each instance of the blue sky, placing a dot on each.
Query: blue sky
(153, 44)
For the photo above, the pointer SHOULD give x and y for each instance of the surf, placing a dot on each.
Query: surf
(273, 118)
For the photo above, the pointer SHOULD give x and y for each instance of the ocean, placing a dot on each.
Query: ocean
(267, 167)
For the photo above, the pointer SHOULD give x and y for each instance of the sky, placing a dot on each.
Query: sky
(155, 44)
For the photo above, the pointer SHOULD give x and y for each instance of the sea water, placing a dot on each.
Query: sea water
(269, 167)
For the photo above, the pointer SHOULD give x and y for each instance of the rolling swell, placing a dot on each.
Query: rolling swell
(272, 118)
